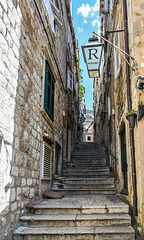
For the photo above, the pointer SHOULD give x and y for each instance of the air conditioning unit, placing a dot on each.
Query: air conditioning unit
(70, 80)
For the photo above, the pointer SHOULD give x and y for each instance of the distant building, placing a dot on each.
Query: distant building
(88, 130)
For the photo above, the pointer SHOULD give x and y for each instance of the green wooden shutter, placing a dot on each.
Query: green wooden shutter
(49, 92)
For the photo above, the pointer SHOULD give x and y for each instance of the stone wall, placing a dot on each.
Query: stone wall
(27, 40)
(115, 87)
(10, 35)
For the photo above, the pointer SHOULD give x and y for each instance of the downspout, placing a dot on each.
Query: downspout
(129, 109)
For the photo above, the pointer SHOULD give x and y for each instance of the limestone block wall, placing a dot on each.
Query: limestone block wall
(26, 41)
(10, 35)
(117, 90)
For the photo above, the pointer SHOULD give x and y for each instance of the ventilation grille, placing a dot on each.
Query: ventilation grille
(47, 162)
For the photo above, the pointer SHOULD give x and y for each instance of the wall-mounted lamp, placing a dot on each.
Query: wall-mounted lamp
(92, 52)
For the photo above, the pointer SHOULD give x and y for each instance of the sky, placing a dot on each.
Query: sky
(86, 19)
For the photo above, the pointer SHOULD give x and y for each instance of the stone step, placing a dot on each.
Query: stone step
(80, 208)
(76, 220)
(89, 157)
(86, 165)
(71, 191)
(85, 180)
(87, 175)
(79, 233)
(90, 171)
(87, 152)
(83, 166)
(92, 163)
(84, 185)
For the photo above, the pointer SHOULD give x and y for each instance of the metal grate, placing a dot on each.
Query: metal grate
(47, 161)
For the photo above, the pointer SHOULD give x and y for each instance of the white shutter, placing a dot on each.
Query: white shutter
(46, 161)
(117, 56)
(70, 80)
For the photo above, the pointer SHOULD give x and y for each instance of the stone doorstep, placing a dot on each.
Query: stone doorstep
(74, 230)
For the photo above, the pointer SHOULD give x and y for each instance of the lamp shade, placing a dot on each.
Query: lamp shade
(92, 53)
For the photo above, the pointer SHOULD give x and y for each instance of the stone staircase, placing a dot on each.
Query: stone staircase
(90, 210)
(87, 173)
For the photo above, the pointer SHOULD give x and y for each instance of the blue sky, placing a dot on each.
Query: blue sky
(86, 19)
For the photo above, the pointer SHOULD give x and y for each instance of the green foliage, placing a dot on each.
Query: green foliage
(81, 93)
(80, 75)
(132, 111)
(138, 225)
(141, 102)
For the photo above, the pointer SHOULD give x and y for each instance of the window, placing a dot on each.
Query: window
(46, 161)
(49, 91)
(89, 138)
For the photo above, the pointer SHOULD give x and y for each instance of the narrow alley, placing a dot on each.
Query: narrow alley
(71, 120)
(90, 208)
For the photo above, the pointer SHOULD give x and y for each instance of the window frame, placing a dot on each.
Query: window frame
(49, 91)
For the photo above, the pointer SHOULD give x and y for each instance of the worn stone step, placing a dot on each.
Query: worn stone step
(88, 158)
(89, 171)
(74, 233)
(78, 191)
(88, 161)
(88, 186)
(76, 220)
(80, 208)
(84, 166)
(81, 166)
(85, 180)
(87, 175)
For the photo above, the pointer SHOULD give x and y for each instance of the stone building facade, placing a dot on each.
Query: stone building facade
(118, 92)
(39, 79)
(88, 127)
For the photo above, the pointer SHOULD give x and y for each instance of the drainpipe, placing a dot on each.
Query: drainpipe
(129, 109)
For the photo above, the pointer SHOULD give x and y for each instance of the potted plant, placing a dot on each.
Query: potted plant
(140, 109)
(131, 116)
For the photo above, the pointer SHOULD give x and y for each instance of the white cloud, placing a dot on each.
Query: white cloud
(84, 10)
(85, 21)
(96, 6)
(87, 11)
(92, 14)
(80, 29)
(96, 22)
